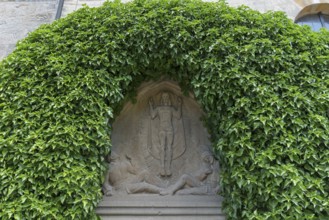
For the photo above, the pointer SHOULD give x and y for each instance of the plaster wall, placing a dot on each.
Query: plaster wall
(19, 17)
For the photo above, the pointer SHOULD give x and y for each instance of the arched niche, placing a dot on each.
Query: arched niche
(160, 146)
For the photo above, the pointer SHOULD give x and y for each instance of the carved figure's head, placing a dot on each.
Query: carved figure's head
(114, 157)
(207, 157)
(165, 99)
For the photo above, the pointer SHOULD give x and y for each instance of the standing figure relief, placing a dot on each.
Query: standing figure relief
(165, 112)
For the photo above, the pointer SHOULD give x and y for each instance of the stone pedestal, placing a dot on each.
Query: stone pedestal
(154, 207)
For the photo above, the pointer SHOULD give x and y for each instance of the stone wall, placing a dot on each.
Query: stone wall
(19, 17)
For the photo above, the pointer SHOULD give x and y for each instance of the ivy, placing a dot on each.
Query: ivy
(261, 80)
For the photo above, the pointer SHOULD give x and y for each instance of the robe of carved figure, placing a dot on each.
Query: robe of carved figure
(196, 184)
(166, 141)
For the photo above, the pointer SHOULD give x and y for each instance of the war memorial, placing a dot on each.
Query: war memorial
(164, 110)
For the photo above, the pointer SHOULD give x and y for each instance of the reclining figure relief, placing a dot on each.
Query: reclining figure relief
(122, 175)
(196, 183)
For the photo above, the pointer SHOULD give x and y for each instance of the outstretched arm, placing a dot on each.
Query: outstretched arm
(178, 112)
(153, 111)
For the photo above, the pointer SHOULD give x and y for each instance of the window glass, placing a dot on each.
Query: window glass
(326, 21)
(315, 21)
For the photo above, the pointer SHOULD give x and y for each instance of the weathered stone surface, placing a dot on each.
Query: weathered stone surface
(160, 146)
(153, 207)
(161, 164)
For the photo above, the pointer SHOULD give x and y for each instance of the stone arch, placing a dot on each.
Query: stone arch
(313, 9)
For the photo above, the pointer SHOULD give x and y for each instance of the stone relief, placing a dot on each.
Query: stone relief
(160, 146)
(123, 175)
(165, 137)
(195, 184)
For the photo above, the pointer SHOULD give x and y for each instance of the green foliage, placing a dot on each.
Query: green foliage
(261, 80)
